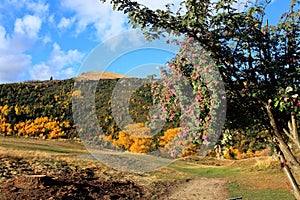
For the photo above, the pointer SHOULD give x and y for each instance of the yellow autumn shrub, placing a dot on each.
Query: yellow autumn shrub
(235, 153)
(42, 127)
(4, 110)
(140, 145)
(135, 138)
(168, 136)
(123, 140)
(4, 126)
(190, 151)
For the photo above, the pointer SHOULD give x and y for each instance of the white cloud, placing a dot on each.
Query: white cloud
(3, 38)
(133, 38)
(60, 64)
(104, 21)
(13, 62)
(102, 17)
(60, 58)
(28, 26)
(46, 39)
(65, 22)
(13, 66)
(51, 19)
(99, 16)
(40, 72)
(115, 27)
(35, 7)
(39, 8)
(68, 72)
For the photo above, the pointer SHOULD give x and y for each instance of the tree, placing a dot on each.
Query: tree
(259, 62)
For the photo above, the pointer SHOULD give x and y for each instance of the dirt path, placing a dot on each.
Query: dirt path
(201, 188)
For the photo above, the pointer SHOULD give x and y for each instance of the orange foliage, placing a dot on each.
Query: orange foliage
(135, 138)
(4, 110)
(43, 127)
(168, 136)
(4, 126)
(234, 153)
(191, 151)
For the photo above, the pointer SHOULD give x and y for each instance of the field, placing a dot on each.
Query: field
(56, 169)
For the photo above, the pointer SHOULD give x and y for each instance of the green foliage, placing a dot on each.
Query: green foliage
(30, 100)
(25, 102)
(138, 108)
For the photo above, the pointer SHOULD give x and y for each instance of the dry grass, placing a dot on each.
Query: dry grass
(99, 75)
(4, 152)
(251, 178)
(39, 146)
(69, 152)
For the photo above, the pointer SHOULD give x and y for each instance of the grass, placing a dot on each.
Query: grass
(42, 146)
(252, 179)
(210, 172)
(235, 190)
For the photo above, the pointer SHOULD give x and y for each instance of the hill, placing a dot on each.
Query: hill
(99, 75)
(44, 108)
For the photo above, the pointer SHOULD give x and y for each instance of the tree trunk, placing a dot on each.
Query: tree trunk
(290, 176)
(288, 159)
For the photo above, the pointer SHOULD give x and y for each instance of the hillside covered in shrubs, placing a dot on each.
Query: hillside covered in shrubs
(44, 110)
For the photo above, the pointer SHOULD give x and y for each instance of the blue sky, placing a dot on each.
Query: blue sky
(41, 38)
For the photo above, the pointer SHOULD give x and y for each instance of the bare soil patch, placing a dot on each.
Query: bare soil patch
(201, 188)
(49, 179)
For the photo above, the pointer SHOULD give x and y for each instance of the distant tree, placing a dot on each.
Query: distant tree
(51, 78)
(259, 62)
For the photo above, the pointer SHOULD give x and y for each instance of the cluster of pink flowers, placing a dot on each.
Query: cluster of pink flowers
(186, 96)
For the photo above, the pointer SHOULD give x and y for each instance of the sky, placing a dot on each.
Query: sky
(43, 38)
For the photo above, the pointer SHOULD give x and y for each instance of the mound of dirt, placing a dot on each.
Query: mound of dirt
(70, 187)
(99, 75)
(49, 179)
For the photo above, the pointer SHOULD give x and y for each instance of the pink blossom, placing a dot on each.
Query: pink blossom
(199, 96)
(194, 76)
(173, 91)
(200, 122)
(173, 153)
(179, 142)
(172, 116)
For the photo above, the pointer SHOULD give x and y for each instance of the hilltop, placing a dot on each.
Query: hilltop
(99, 75)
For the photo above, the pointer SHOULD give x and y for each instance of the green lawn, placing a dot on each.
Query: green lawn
(246, 181)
